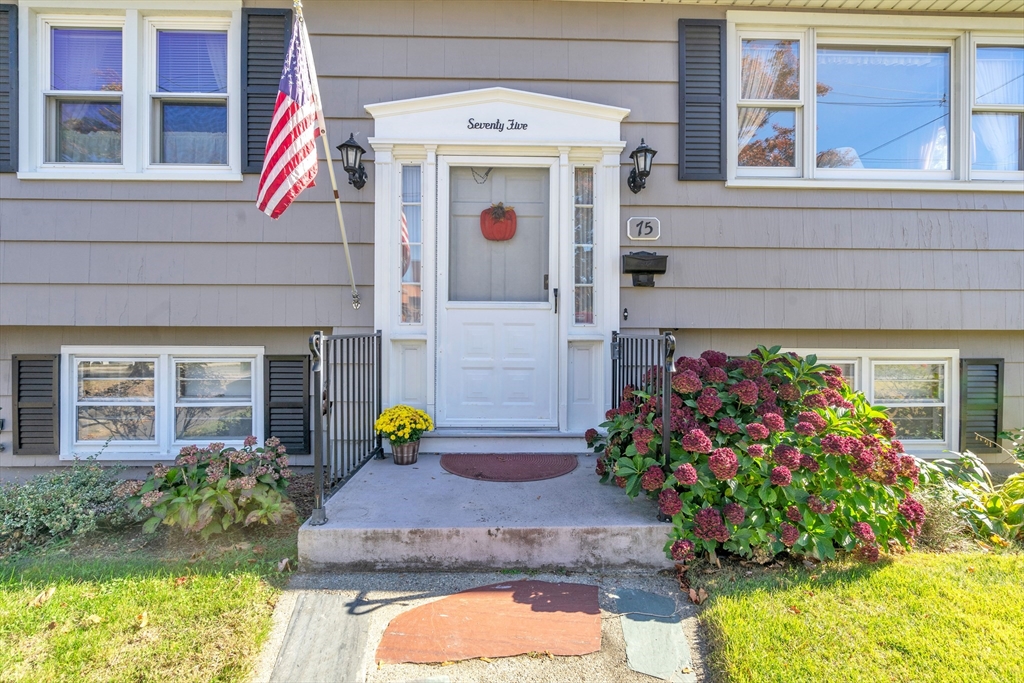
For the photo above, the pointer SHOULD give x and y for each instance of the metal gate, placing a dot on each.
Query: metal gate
(346, 377)
(642, 362)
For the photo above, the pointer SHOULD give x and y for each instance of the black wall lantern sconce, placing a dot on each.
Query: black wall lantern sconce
(642, 157)
(351, 160)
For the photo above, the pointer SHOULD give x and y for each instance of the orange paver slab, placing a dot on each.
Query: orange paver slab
(500, 620)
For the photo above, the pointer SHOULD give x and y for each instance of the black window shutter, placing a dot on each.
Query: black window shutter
(8, 88)
(265, 34)
(702, 99)
(981, 403)
(286, 401)
(35, 388)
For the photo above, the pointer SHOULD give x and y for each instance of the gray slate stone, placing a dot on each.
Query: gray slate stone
(655, 642)
(325, 641)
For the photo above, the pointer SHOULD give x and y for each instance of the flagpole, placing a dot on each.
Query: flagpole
(297, 4)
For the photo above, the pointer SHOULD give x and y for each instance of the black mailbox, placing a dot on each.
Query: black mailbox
(643, 266)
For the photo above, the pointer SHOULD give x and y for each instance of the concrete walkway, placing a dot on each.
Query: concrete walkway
(420, 517)
(327, 628)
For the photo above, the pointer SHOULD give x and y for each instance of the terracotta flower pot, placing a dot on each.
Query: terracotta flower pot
(406, 453)
(498, 223)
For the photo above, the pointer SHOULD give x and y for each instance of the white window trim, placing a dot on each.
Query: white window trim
(986, 40)
(138, 58)
(961, 34)
(866, 359)
(595, 290)
(401, 165)
(165, 447)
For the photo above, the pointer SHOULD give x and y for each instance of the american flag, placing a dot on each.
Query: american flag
(290, 163)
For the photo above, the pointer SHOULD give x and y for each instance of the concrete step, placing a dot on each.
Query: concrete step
(501, 441)
(420, 517)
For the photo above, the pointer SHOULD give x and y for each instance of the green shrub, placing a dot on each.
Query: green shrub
(994, 512)
(72, 500)
(769, 452)
(211, 489)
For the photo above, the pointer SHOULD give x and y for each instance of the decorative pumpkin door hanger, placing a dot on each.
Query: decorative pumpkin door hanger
(498, 223)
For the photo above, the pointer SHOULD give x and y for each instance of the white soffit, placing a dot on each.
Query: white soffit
(986, 6)
(497, 115)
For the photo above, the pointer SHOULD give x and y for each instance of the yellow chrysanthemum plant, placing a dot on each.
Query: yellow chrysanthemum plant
(403, 424)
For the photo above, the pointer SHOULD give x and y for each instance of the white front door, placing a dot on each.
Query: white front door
(497, 324)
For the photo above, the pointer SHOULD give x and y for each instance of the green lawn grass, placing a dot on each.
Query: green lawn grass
(917, 617)
(125, 611)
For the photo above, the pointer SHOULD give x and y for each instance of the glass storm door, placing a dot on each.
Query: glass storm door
(497, 322)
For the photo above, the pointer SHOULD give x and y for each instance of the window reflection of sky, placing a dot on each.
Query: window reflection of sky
(889, 107)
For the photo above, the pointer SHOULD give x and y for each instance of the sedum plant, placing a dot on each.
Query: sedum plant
(769, 452)
(211, 489)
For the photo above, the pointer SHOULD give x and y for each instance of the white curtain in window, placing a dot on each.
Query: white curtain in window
(761, 75)
(998, 132)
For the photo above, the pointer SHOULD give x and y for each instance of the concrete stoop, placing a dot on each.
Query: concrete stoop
(420, 517)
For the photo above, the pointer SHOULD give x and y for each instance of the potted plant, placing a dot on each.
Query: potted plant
(403, 426)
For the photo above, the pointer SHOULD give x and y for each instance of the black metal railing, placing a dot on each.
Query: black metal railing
(645, 362)
(346, 378)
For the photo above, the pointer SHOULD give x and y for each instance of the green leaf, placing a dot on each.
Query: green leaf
(150, 525)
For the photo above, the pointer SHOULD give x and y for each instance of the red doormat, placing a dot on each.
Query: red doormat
(508, 466)
(500, 620)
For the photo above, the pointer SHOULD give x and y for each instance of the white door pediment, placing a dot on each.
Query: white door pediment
(496, 116)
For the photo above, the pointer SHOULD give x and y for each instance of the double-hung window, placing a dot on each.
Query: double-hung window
(846, 99)
(918, 388)
(997, 115)
(189, 98)
(83, 95)
(145, 93)
(148, 402)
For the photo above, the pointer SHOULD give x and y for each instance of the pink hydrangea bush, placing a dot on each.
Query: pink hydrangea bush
(768, 451)
(211, 489)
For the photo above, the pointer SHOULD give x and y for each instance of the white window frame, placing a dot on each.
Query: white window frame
(989, 40)
(960, 34)
(866, 359)
(797, 106)
(165, 446)
(46, 93)
(396, 266)
(138, 74)
(595, 261)
(150, 130)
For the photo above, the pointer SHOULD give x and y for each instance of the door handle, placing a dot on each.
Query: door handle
(556, 300)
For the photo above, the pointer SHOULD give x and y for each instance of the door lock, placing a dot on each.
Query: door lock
(556, 300)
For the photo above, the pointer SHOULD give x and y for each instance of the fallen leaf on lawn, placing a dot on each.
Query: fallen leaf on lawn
(815, 577)
(43, 597)
(697, 597)
(794, 609)
(52, 625)
(810, 593)
(181, 581)
(244, 545)
(259, 549)
(92, 619)
(143, 619)
(284, 565)
(89, 595)
(970, 570)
